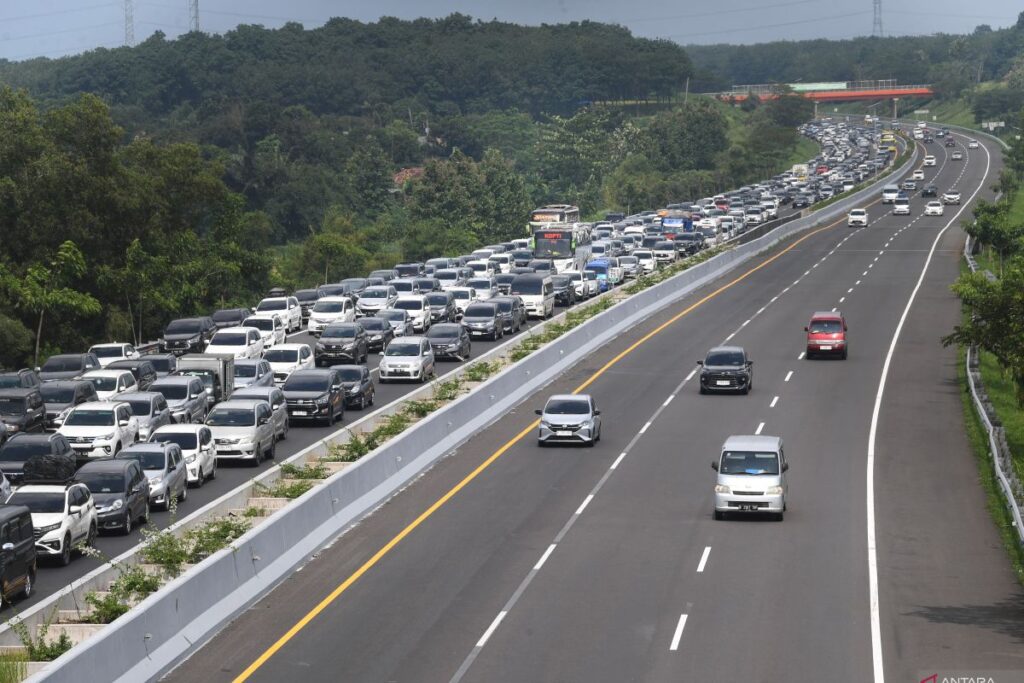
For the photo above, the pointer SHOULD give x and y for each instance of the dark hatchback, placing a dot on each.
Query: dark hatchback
(450, 340)
(187, 335)
(22, 410)
(442, 307)
(121, 491)
(378, 332)
(358, 385)
(511, 312)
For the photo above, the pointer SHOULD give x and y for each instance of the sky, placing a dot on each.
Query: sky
(54, 28)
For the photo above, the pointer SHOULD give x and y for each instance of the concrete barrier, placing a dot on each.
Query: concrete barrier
(185, 613)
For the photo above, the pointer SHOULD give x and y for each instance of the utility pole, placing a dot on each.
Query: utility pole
(129, 23)
(876, 30)
(193, 15)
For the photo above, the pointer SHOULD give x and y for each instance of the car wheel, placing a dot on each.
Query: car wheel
(183, 496)
(272, 455)
(30, 581)
(127, 529)
(703, 390)
(845, 352)
(200, 478)
(779, 516)
(257, 457)
(145, 514)
(65, 551)
(746, 390)
(213, 470)
(719, 515)
(90, 540)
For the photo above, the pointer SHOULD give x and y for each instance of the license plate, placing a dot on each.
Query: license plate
(563, 433)
(825, 347)
(748, 508)
(299, 412)
(722, 382)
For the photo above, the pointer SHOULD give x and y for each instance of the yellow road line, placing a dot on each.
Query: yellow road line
(386, 548)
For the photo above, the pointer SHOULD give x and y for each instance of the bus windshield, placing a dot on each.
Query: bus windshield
(553, 244)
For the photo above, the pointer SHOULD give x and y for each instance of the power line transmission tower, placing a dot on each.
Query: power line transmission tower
(876, 30)
(193, 15)
(129, 23)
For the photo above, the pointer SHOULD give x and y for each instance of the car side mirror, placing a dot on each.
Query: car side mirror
(538, 411)
(38, 369)
(123, 423)
(700, 362)
(785, 466)
(75, 509)
(750, 363)
(263, 421)
(845, 328)
(7, 547)
(714, 465)
(597, 412)
(806, 329)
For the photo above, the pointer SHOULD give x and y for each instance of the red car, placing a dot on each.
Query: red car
(826, 335)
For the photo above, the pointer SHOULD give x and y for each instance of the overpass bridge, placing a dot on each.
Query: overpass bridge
(829, 92)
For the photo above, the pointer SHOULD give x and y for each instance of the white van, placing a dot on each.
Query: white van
(929, 160)
(737, 491)
(537, 292)
(889, 193)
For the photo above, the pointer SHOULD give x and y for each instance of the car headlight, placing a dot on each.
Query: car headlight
(353, 390)
(230, 441)
(722, 488)
(105, 437)
(322, 400)
(118, 504)
(13, 428)
(47, 529)
(190, 458)
(63, 415)
(247, 445)
(774, 490)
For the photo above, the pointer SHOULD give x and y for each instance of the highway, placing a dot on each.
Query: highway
(605, 564)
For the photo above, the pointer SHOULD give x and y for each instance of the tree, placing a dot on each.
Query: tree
(992, 227)
(49, 288)
(688, 137)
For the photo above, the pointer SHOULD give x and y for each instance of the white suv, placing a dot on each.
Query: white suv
(285, 306)
(271, 327)
(108, 353)
(407, 358)
(99, 429)
(328, 310)
(240, 342)
(110, 383)
(418, 308)
(287, 358)
(857, 217)
(64, 517)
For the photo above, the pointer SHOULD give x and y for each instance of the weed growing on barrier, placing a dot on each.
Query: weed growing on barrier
(39, 647)
(165, 549)
(251, 512)
(478, 372)
(207, 539)
(13, 667)
(132, 583)
(420, 408)
(284, 489)
(393, 425)
(308, 471)
(448, 390)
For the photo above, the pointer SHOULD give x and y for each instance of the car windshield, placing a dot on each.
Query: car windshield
(231, 417)
(20, 450)
(566, 406)
(443, 332)
(243, 370)
(103, 383)
(186, 440)
(102, 482)
(225, 316)
(373, 324)
(272, 305)
(461, 294)
(177, 392)
(9, 381)
(719, 358)
(184, 327)
(12, 406)
(205, 375)
(351, 374)
(90, 418)
(747, 462)
(342, 332)
(446, 275)
(409, 305)
(479, 311)
(140, 408)
(229, 339)
(504, 306)
(281, 355)
(393, 315)
(306, 383)
(826, 326)
(307, 295)
(163, 363)
(398, 349)
(150, 460)
(329, 307)
(62, 364)
(437, 299)
(374, 293)
(260, 323)
(38, 501)
(480, 284)
(627, 260)
(528, 287)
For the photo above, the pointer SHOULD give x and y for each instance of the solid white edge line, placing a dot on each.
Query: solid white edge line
(873, 602)
(544, 557)
(703, 559)
(678, 635)
(490, 629)
(617, 461)
(668, 400)
(586, 502)
(690, 376)
(643, 429)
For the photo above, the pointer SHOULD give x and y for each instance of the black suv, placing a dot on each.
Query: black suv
(307, 298)
(230, 317)
(121, 491)
(511, 312)
(21, 447)
(165, 363)
(15, 379)
(68, 366)
(565, 293)
(726, 368)
(187, 335)
(22, 410)
(315, 395)
(144, 371)
(61, 395)
(17, 553)
(930, 191)
(342, 342)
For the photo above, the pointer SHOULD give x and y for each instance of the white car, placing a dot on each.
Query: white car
(287, 307)
(485, 287)
(287, 358)
(418, 308)
(329, 310)
(243, 430)
(462, 296)
(973, 144)
(934, 209)
(957, 156)
(196, 444)
(240, 342)
(483, 267)
(278, 406)
(857, 217)
(918, 174)
(646, 259)
(407, 358)
(63, 516)
(110, 383)
(271, 328)
(400, 321)
(108, 353)
(372, 299)
(99, 429)
(951, 197)
(579, 283)
(901, 207)
(929, 160)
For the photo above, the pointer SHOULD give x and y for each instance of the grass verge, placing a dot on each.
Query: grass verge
(1001, 392)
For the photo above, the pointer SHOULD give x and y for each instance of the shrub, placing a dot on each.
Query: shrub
(420, 408)
(307, 471)
(40, 649)
(207, 539)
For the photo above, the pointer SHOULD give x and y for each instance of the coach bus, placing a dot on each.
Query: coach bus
(554, 213)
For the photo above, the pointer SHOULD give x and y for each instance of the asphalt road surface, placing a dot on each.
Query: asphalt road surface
(605, 564)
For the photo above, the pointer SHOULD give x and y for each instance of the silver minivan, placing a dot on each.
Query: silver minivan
(751, 476)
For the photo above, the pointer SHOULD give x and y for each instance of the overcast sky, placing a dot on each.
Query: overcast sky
(52, 28)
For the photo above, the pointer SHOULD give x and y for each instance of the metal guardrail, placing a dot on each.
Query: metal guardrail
(999, 449)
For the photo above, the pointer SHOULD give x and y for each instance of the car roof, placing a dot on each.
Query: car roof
(826, 315)
(253, 392)
(18, 392)
(569, 397)
(247, 404)
(44, 488)
(180, 428)
(142, 446)
(726, 349)
(289, 347)
(106, 465)
(136, 395)
(116, 372)
(100, 405)
(9, 511)
(752, 442)
(178, 379)
(108, 345)
(37, 438)
(68, 383)
(239, 328)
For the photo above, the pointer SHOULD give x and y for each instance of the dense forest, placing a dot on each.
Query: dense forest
(175, 177)
(953, 64)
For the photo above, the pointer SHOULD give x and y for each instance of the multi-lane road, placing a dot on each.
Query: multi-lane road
(605, 564)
